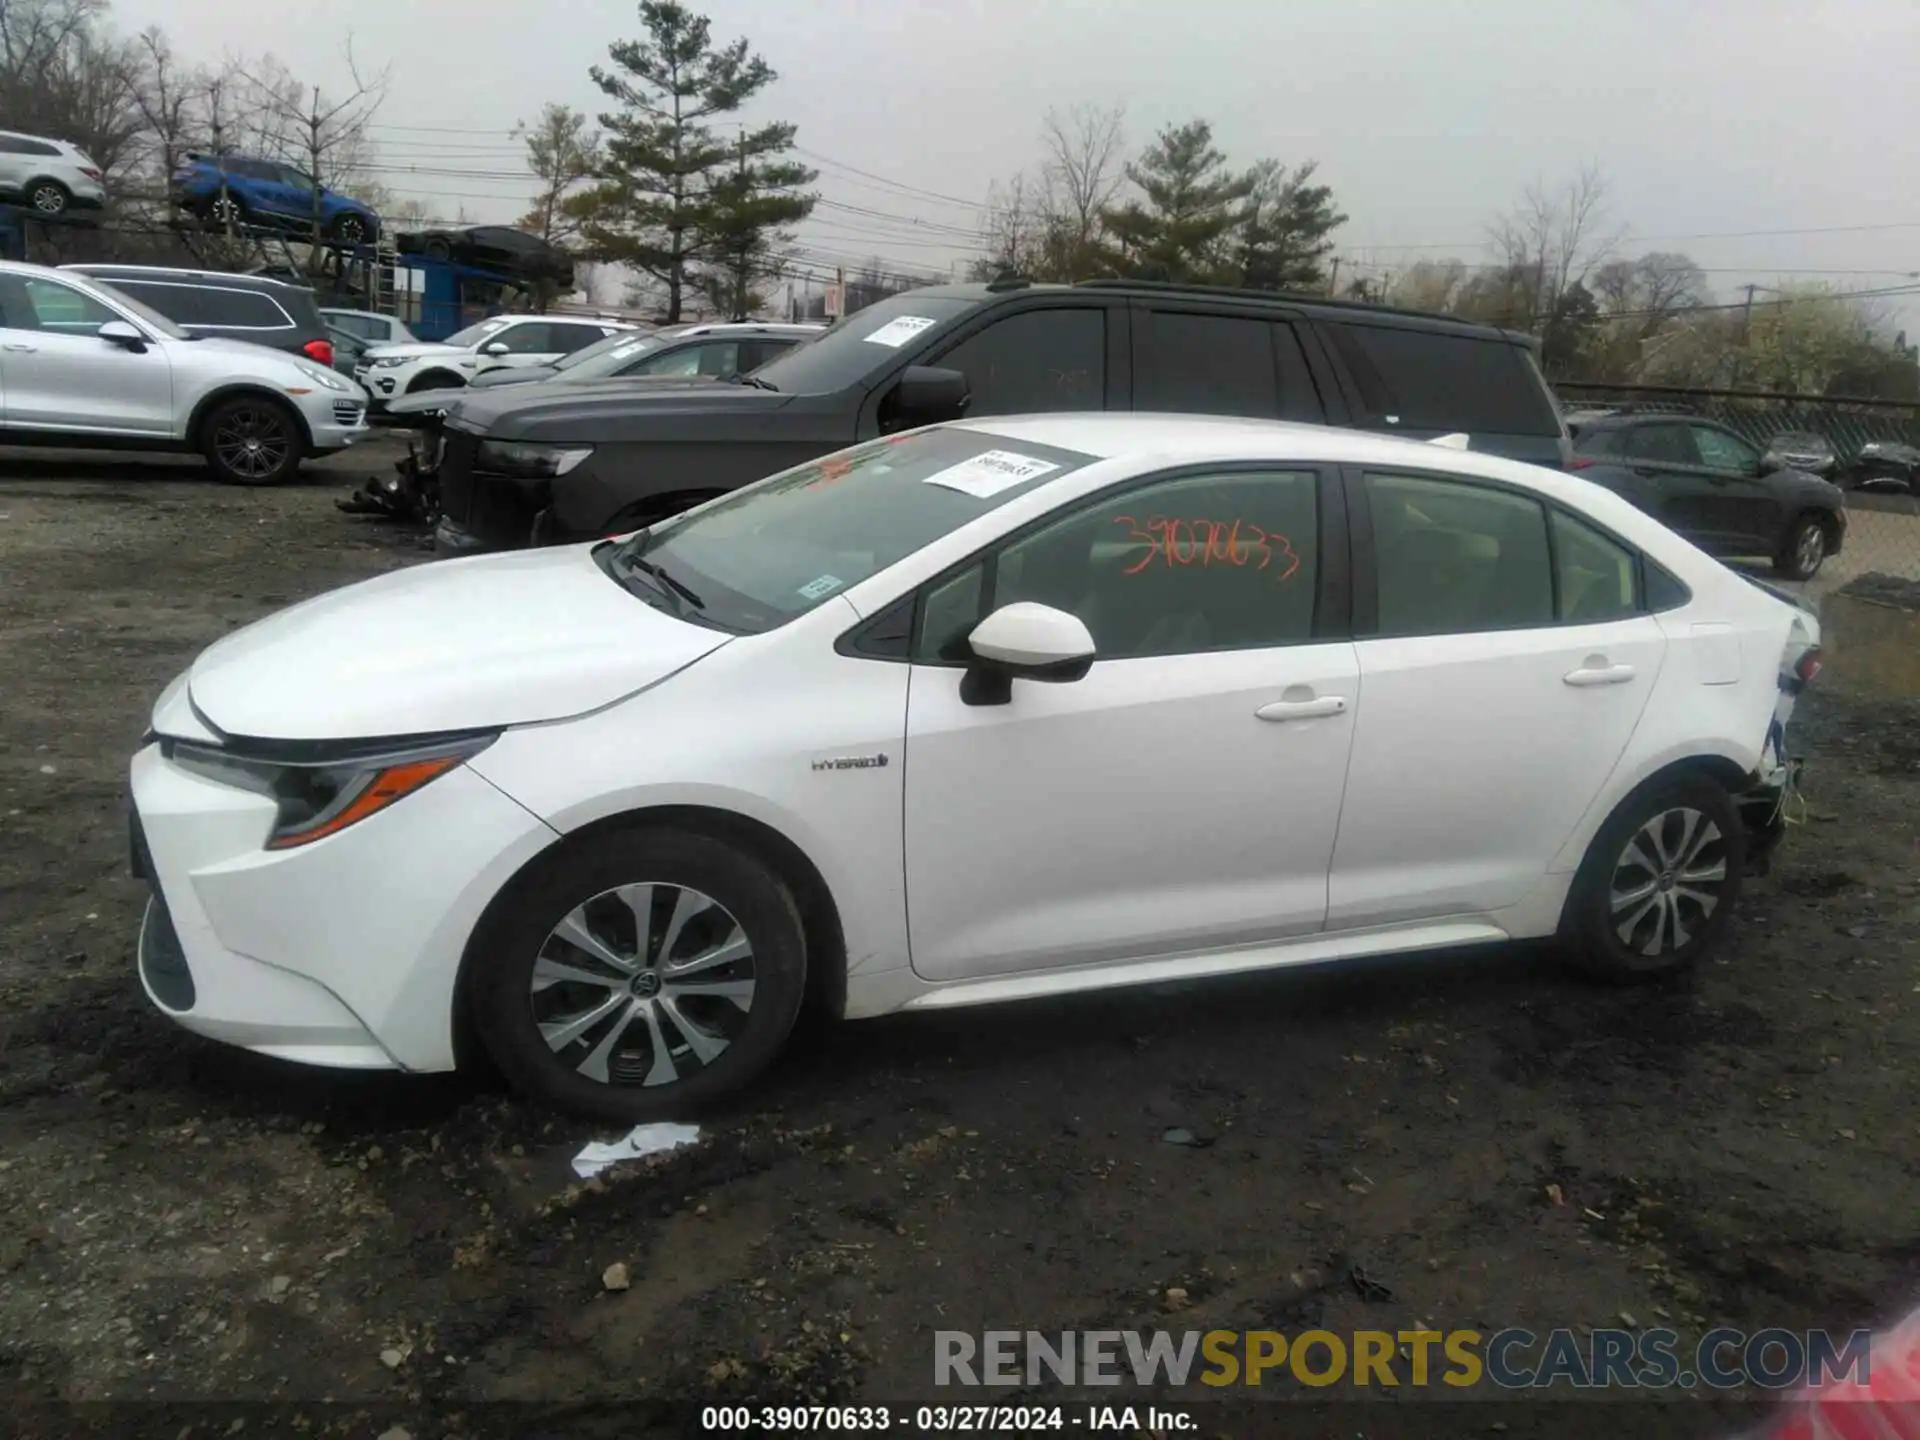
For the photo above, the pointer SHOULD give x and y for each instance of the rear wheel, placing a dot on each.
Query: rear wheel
(48, 197)
(439, 250)
(350, 229)
(1659, 883)
(250, 440)
(1805, 551)
(639, 976)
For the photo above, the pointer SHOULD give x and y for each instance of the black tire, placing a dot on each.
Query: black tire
(1594, 918)
(350, 229)
(48, 197)
(439, 250)
(251, 440)
(578, 881)
(1805, 550)
(434, 380)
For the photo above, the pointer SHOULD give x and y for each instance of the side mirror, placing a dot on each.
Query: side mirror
(127, 337)
(496, 347)
(926, 394)
(1024, 641)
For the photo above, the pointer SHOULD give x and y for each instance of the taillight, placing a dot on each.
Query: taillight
(1808, 665)
(320, 351)
(1581, 462)
(91, 173)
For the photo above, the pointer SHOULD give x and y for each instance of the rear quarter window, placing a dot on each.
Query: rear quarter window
(1430, 380)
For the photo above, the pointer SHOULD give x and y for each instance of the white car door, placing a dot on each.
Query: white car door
(1507, 670)
(1182, 795)
(60, 375)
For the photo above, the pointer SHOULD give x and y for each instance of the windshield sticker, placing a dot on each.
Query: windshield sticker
(825, 585)
(988, 474)
(620, 352)
(898, 331)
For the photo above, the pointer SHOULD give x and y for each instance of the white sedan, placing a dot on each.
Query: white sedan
(989, 710)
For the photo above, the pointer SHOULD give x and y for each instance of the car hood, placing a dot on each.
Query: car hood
(512, 375)
(474, 643)
(602, 409)
(418, 349)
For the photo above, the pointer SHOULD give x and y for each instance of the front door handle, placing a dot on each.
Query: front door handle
(20, 346)
(1302, 709)
(1596, 671)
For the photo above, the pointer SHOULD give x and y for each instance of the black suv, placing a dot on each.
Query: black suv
(253, 308)
(555, 462)
(1703, 481)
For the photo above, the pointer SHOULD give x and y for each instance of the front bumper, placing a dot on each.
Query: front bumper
(380, 385)
(334, 421)
(344, 952)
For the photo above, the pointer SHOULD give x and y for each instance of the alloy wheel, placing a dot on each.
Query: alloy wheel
(1667, 882)
(1811, 550)
(350, 229)
(49, 199)
(252, 442)
(643, 984)
(227, 211)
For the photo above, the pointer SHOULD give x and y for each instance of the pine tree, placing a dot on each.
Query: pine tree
(1286, 229)
(1191, 204)
(670, 196)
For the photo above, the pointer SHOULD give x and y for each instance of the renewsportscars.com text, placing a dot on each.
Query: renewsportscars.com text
(1511, 1359)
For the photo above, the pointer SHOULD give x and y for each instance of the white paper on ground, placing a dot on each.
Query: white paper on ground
(897, 331)
(651, 1139)
(987, 474)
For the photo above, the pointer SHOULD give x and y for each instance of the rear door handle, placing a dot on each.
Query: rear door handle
(21, 346)
(1598, 672)
(1302, 709)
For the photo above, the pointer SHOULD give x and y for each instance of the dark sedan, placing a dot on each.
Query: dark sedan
(504, 251)
(1710, 485)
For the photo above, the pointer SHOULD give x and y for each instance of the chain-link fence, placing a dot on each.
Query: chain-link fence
(1870, 448)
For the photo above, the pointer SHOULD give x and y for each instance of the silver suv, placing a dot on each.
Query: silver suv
(49, 176)
(83, 365)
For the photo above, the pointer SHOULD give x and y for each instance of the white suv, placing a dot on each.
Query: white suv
(49, 176)
(390, 371)
(82, 364)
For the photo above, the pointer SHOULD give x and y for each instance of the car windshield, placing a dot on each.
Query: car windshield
(605, 356)
(474, 334)
(861, 343)
(146, 314)
(774, 550)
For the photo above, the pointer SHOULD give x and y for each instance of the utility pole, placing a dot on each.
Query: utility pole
(1746, 326)
(1333, 278)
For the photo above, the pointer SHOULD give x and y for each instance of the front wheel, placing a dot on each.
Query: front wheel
(1659, 883)
(1805, 551)
(435, 380)
(639, 976)
(226, 210)
(350, 229)
(252, 441)
(48, 197)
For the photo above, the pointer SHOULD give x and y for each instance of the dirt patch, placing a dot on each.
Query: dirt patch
(181, 1220)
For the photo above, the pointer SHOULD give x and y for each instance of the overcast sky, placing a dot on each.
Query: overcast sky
(1710, 117)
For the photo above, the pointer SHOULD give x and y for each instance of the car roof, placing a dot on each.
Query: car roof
(739, 327)
(175, 272)
(1356, 310)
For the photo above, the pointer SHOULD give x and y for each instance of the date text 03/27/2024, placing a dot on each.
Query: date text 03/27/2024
(960, 1419)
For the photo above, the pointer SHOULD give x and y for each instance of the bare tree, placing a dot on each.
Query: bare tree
(1082, 174)
(1013, 227)
(1551, 243)
(63, 73)
(562, 152)
(172, 101)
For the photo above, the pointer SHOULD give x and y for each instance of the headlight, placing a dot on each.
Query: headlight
(326, 379)
(527, 460)
(322, 794)
(388, 362)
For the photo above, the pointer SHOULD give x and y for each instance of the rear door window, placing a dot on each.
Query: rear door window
(238, 310)
(1662, 444)
(1430, 380)
(1194, 364)
(179, 303)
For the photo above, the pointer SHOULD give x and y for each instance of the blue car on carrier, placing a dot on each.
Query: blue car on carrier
(245, 190)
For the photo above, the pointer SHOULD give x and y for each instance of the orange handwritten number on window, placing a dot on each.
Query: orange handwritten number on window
(1203, 542)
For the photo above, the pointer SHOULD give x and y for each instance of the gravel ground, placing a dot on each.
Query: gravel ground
(1493, 1141)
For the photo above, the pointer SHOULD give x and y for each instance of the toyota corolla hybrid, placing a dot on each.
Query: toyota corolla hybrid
(972, 713)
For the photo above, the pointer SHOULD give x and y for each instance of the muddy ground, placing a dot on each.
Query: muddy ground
(1492, 1141)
